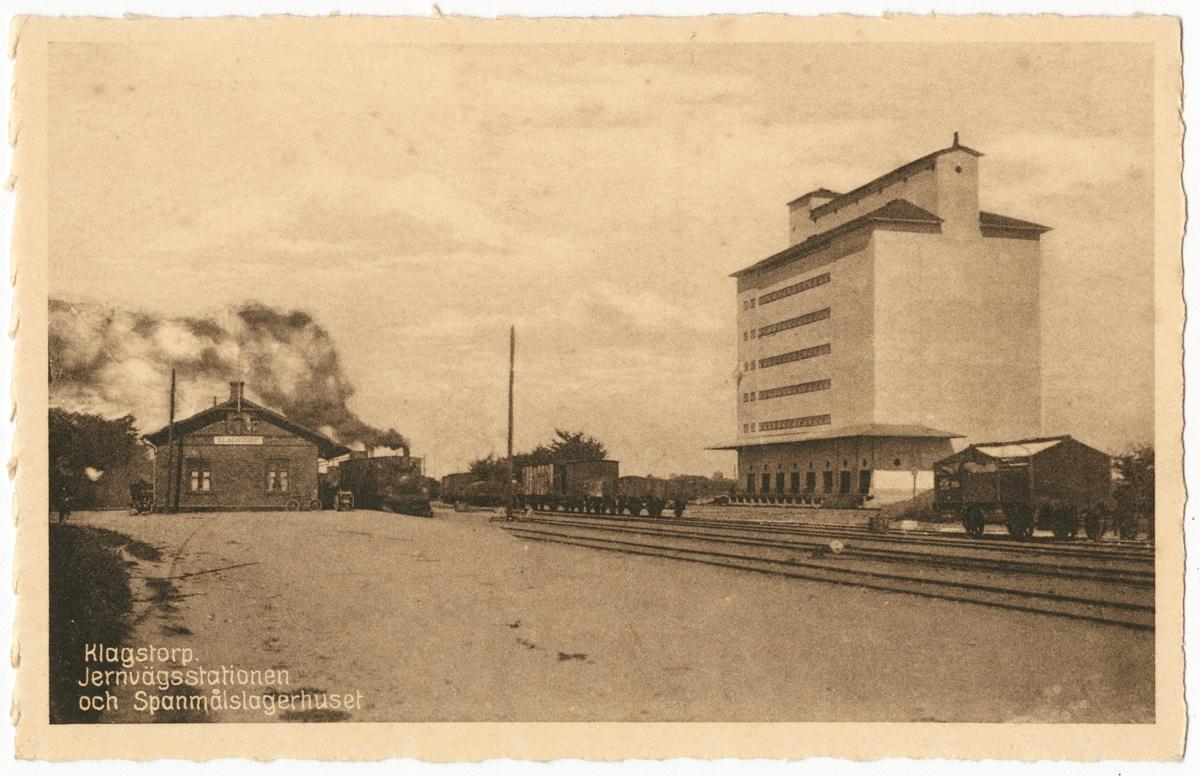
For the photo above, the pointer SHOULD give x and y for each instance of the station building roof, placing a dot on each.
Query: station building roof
(326, 447)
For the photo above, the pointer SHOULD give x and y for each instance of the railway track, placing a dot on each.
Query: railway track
(1036, 547)
(1114, 595)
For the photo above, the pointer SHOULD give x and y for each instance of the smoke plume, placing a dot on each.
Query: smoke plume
(115, 362)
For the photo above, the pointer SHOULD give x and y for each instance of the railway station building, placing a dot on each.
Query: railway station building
(236, 456)
(900, 317)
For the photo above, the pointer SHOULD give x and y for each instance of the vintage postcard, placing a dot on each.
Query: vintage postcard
(726, 387)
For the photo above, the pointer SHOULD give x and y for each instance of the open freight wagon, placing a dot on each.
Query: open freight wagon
(1052, 483)
(598, 488)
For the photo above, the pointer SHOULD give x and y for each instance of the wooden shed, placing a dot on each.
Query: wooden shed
(238, 456)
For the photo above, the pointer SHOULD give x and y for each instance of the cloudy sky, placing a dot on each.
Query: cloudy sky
(417, 200)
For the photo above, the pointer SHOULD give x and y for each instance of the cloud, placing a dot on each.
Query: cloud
(115, 362)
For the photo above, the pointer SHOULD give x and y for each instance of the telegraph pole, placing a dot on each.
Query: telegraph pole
(512, 351)
(170, 446)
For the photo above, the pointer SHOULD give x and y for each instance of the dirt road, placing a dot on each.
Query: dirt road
(452, 619)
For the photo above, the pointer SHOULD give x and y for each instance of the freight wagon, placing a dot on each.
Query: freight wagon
(577, 486)
(653, 494)
(597, 487)
(454, 487)
(1051, 483)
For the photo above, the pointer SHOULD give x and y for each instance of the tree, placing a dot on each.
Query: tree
(490, 469)
(576, 447)
(566, 447)
(1135, 491)
(82, 447)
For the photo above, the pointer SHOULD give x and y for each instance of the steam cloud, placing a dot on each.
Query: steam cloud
(114, 362)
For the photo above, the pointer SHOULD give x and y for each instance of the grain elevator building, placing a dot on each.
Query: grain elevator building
(900, 317)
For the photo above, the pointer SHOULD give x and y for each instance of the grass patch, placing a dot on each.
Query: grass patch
(90, 603)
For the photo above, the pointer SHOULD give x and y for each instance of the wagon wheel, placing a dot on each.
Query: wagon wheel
(1094, 523)
(314, 505)
(973, 522)
(1054, 518)
(1019, 522)
(1071, 519)
(293, 505)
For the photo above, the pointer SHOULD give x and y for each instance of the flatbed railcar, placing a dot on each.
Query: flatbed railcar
(596, 487)
(1050, 483)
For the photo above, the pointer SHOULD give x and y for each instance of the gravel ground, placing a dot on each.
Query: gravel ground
(453, 619)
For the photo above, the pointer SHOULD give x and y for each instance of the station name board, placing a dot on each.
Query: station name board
(237, 440)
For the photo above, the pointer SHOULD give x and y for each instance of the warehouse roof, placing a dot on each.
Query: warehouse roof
(326, 447)
(845, 432)
(898, 211)
(994, 221)
(883, 181)
(822, 193)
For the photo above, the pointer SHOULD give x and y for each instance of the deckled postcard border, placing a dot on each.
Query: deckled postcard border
(607, 741)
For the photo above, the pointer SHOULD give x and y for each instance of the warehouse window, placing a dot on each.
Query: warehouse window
(766, 483)
(792, 390)
(810, 482)
(803, 285)
(827, 481)
(792, 323)
(844, 482)
(749, 483)
(277, 475)
(779, 482)
(811, 420)
(795, 482)
(199, 475)
(795, 355)
(864, 481)
(745, 336)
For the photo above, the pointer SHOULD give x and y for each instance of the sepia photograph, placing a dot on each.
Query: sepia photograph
(628, 371)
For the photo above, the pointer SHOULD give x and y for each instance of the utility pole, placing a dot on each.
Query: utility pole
(170, 446)
(512, 350)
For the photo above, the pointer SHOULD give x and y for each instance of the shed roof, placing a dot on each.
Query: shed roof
(326, 447)
(1012, 450)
